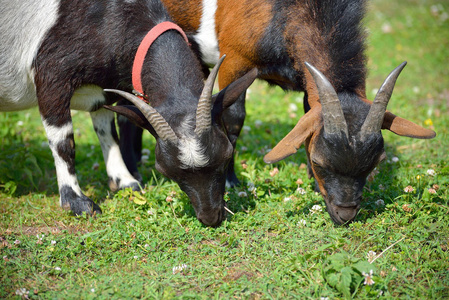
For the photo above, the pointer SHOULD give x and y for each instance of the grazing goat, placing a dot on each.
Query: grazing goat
(315, 46)
(60, 55)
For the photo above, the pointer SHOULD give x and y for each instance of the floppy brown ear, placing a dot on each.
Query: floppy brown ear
(305, 127)
(405, 127)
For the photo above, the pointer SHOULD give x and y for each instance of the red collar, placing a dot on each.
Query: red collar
(151, 36)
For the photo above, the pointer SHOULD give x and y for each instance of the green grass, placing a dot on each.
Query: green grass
(274, 246)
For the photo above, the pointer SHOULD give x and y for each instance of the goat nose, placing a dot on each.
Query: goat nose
(211, 218)
(346, 213)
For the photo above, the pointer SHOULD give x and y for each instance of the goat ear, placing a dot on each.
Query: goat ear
(133, 114)
(405, 127)
(231, 93)
(306, 126)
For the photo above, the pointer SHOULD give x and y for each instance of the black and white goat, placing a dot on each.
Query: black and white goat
(60, 55)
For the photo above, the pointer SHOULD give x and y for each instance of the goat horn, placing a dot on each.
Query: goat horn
(203, 111)
(333, 117)
(375, 118)
(160, 126)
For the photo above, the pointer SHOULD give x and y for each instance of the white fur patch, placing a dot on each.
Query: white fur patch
(192, 153)
(115, 165)
(206, 37)
(55, 136)
(22, 29)
(87, 97)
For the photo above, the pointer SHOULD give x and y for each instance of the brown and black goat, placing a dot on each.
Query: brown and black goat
(315, 46)
(60, 55)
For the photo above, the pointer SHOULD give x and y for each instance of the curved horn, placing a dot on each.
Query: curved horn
(163, 130)
(375, 117)
(203, 111)
(333, 117)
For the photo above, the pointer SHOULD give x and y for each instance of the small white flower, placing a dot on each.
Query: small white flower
(92, 290)
(370, 256)
(243, 149)
(408, 189)
(53, 242)
(395, 159)
(5, 257)
(95, 166)
(368, 278)
(146, 151)
(324, 298)
(242, 194)
(286, 199)
(16, 242)
(431, 172)
(302, 222)
(144, 159)
(258, 123)
(57, 268)
(246, 129)
(150, 212)
(316, 208)
(415, 89)
(179, 269)
(251, 186)
(386, 28)
(146, 246)
(22, 292)
(19, 123)
(301, 191)
(136, 257)
(292, 107)
(380, 202)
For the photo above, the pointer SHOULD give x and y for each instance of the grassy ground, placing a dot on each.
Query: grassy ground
(278, 244)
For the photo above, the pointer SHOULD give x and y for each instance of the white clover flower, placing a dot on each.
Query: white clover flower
(395, 159)
(95, 166)
(243, 149)
(370, 256)
(246, 129)
(408, 189)
(251, 186)
(301, 191)
(53, 242)
(16, 242)
(145, 158)
(136, 257)
(179, 269)
(431, 172)
(368, 278)
(302, 222)
(92, 290)
(380, 202)
(258, 123)
(146, 151)
(242, 194)
(286, 199)
(146, 246)
(57, 268)
(316, 208)
(19, 123)
(292, 107)
(22, 292)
